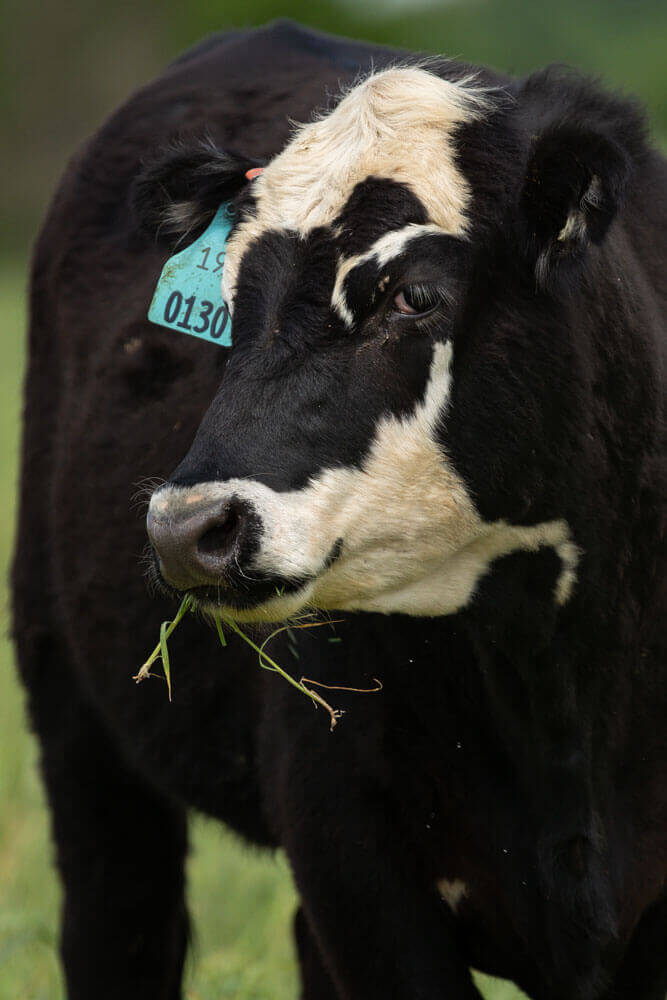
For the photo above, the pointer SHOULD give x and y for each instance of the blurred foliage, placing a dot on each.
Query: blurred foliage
(64, 67)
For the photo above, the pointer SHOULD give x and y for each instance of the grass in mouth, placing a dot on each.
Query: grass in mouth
(161, 652)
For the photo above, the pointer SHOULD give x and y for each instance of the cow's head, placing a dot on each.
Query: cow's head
(402, 394)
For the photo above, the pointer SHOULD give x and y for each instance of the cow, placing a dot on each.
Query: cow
(440, 423)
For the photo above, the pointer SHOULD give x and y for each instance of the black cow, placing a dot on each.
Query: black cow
(443, 407)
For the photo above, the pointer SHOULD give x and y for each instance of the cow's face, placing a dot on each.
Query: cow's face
(333, 468)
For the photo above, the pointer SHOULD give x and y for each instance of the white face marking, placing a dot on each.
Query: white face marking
(384, 249)
(397, 124)
(452, 892)
(412, 540)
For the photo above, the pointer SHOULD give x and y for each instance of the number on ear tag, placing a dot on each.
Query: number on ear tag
(188, 296)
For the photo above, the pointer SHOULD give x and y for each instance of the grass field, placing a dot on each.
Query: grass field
(242, 903)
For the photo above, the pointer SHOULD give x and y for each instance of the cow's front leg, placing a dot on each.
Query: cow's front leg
(380, 927)
(316, 983)
(642, 974)
(381, 932)
(120, 848)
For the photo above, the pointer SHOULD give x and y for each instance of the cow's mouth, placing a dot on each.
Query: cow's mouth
(245, 595)
(264, 601)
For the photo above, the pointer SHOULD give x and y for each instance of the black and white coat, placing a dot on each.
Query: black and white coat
(443, 409)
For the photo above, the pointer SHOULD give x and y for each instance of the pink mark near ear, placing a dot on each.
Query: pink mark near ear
(253, 172)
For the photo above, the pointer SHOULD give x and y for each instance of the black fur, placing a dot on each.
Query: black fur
(518, 746)
(192, 177)
(584, 151)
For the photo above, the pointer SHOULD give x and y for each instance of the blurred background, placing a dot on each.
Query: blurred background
(63, 68)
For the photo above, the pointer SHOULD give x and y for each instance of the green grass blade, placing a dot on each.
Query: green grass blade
(164, 652)
(221, 634)
(264, 660)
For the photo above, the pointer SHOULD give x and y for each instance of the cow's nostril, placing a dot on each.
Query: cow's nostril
(196, 543)
(217, 539)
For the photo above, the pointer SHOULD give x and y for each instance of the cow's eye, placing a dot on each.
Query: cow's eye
(416, 300)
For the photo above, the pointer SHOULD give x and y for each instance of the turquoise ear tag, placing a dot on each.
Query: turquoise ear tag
(187, 297)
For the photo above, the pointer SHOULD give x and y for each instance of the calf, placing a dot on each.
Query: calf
(443, 407)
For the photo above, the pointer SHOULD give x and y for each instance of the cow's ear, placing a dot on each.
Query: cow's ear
(177, 193)
(583, 148)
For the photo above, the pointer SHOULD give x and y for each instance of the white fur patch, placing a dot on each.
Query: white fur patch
(452, 892)
(412, 540)
(396, 124)
(384, 249)
(574, 229)
(181, 217)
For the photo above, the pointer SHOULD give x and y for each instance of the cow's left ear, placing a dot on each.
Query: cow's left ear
(584, 146)
(177, 193)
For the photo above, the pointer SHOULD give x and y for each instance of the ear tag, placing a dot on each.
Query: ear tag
(188, 296)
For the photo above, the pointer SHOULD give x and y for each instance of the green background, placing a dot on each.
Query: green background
(62, 69)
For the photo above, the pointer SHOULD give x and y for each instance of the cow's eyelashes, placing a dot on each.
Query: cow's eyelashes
(417, 300)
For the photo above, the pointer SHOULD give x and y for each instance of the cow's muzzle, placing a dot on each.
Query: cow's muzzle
(201, 543)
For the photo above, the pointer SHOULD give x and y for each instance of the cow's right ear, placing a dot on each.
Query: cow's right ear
(178, 193)
(584, 148)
